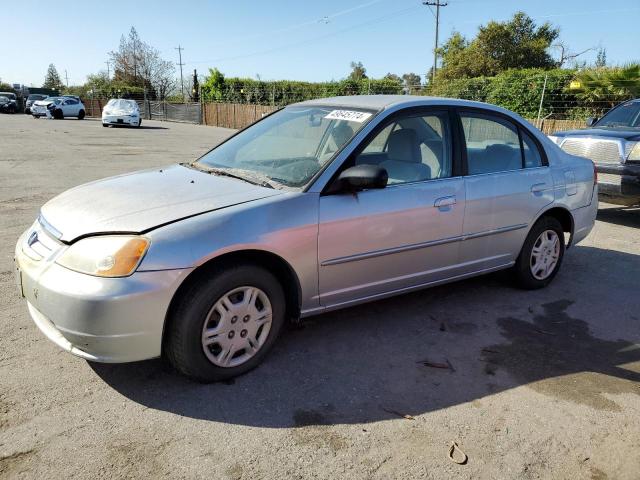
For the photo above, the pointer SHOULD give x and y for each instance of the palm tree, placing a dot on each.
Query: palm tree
(606, 87)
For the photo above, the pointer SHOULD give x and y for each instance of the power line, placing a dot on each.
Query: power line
(179, 48)
(436, 4)
(380, 19)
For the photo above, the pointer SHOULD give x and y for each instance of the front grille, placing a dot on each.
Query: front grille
(600, 151)
(39, 243)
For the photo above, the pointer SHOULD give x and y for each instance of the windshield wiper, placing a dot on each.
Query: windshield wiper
(253, 178)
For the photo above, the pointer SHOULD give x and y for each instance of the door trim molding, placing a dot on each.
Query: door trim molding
(417, 246)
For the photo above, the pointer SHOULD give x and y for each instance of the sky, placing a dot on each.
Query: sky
(287, 39)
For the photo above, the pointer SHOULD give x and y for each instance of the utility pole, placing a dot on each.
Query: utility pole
(436, 4)
(108, 65)
(179, 48)
(66, 77)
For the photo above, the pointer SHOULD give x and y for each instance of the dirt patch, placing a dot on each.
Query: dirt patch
(312, 428)
(543, 353)
(15, 463)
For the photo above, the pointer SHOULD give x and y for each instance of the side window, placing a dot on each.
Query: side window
(493, 145)
(532, 157)
(412, 148)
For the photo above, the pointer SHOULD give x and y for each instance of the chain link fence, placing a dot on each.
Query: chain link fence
(236, 107)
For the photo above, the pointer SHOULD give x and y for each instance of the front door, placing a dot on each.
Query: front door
(407, 234)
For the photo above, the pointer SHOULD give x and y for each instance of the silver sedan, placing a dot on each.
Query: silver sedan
(321, 205)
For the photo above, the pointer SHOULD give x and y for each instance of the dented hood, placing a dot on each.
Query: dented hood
(139, 201)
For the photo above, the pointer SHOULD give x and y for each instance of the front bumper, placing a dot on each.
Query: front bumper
(620, 182)
(120, 120)
(109, 320)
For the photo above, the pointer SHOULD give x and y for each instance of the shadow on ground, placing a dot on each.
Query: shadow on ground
(625, 216)
(371, 363)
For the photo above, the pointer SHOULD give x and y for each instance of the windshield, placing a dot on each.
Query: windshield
(288, 147)
(626, 115)
(120, 104)
(36, 97)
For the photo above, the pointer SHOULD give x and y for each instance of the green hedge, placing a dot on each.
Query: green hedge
(283, 92)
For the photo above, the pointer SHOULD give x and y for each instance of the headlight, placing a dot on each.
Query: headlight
(106, 112)
(634, 154)
(556, 140)
(105, 256)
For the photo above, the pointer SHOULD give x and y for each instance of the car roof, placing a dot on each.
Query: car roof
(381, 102)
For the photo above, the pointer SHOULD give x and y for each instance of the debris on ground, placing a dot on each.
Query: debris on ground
(456, 455)
(399, 414)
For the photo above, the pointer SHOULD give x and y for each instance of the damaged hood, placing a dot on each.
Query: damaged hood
(139, 201)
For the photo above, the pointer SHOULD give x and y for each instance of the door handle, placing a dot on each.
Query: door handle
(538, 188)
(445, 201)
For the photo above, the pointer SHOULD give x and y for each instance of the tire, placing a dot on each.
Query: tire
(81, 115)
(139, 123)
(36, 116)
(57, 114)
(105, 125)
(196, 309)
(526, 265)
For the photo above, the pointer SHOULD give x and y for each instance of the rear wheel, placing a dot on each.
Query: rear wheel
(541, 255)
(225, 324)
(81, 115)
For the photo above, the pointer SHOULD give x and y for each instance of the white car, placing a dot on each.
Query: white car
(119, 111)
(59, 107)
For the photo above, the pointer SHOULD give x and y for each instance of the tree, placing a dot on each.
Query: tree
(499, 46)
(601, 58)
(412, 82)
(566, 55)
(213, 86)
(606, 87)
(138, 64)
(392, 77)
(358, 72)
(52, 79)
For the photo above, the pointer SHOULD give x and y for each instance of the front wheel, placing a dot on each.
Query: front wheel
(224, 324)
(541, 254)
(81, 115)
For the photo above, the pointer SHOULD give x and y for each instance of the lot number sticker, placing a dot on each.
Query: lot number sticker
(349, 115)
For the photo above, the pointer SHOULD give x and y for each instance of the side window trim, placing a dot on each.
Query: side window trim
(462, 142)
(544, 162)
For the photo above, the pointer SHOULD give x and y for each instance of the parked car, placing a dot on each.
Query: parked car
(321, 205)
(613, 143)
(32, 98)
(10, 102)
(120, 111)
(6, 105)
(58, 107)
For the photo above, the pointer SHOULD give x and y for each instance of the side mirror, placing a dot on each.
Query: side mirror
(361, 177)
(591, 121)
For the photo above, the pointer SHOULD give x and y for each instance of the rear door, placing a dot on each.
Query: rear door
(407, 234)
(507, 183)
